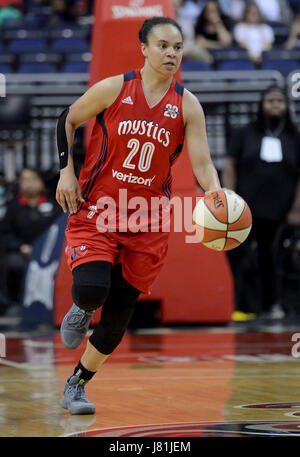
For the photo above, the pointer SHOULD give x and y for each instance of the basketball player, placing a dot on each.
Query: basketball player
(142, 118)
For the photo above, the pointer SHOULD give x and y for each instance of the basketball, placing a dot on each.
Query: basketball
(223, 220)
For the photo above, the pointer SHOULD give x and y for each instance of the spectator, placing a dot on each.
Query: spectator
(275, 10)
(11, 11)
(253, 34)
(187, 12)
(263, 167)
(212, 28)
(294, 37)
(237, 8)
(225, 6)
(295, 6)
(272, 10)
(26, 219)
(209, 32)
(63, 12)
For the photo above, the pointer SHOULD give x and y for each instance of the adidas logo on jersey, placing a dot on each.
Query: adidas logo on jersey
(128, 100)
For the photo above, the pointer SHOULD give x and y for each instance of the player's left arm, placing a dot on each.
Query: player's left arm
(197, 144)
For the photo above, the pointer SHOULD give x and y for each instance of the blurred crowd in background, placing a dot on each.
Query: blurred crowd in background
(34, 27)
(58, 11)
(212, 25)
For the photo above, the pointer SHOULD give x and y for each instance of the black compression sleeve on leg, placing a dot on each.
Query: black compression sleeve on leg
(61, 138)
(116, 314)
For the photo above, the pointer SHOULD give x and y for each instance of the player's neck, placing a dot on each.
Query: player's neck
(153, 82)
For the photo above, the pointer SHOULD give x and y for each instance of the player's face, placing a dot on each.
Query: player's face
(164, 49)
(274, 104)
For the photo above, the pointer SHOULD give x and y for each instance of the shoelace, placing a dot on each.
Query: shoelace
(79, 318)
(76, 392)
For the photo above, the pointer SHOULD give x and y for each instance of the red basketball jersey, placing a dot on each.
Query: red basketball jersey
(133, 146)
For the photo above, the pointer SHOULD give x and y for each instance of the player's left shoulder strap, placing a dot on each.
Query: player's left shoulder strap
(179, 88)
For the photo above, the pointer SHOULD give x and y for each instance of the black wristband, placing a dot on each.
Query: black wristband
(61, 139)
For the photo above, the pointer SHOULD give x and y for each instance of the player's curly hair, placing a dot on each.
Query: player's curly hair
(154, 21)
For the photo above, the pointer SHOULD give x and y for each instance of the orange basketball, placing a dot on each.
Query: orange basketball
(223, 220)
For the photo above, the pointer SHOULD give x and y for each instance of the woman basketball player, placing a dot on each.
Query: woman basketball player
(142, 118)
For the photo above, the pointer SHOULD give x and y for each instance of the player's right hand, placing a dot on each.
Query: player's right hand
(67, 190)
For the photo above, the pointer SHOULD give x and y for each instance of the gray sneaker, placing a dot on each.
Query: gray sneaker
(75, 326)
(74, 398)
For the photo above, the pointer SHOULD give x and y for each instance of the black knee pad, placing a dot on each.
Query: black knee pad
(91, 284)
(89, 298)
(115, 315)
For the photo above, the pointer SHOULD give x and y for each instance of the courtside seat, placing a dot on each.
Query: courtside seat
(5, 68)
(19, 32)
(7, 57)
(66, 45)
(233, 53)
(281, 32)
(37, 67)
(30, 22)
(13, 24)
(27, 45)
(68, 31)
(284, 66)
(37, 20)
(79, 57)
(238, 64)
(8, 60)
(49, 57)
(281, 54)
(193, 65)
(75, 67)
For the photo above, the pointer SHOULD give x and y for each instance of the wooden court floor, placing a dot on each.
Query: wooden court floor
(189, 382)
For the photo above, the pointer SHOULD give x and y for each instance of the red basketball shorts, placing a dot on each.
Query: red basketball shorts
(142, 254)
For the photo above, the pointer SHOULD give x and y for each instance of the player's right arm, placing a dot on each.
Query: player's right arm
(95, 100)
